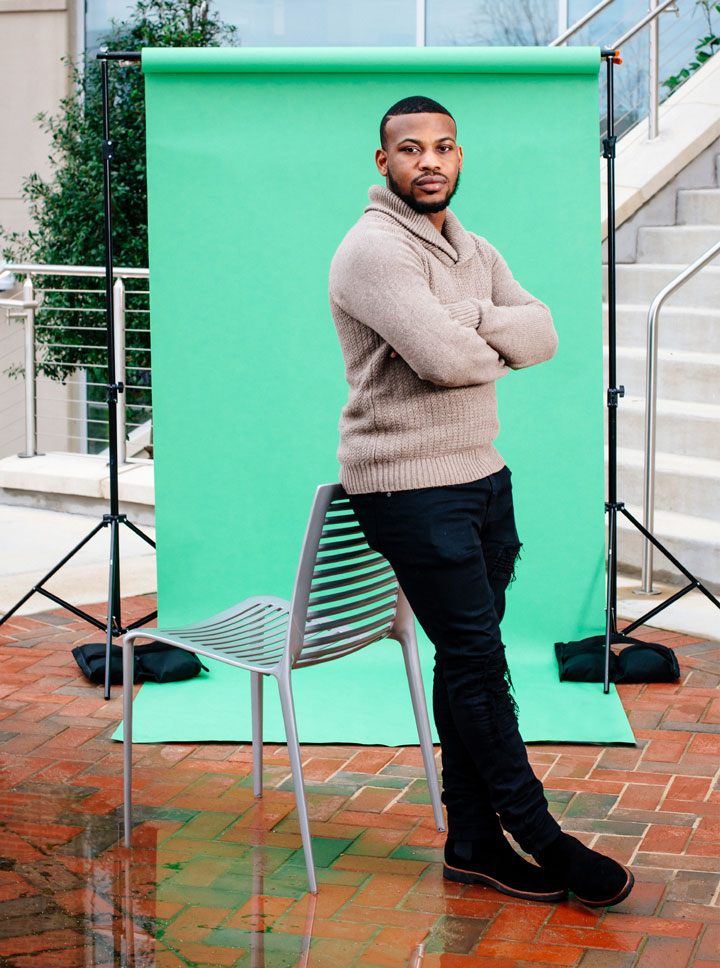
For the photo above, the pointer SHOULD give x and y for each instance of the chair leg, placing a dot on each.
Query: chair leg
(417, 694)
(256, 689)
(128, 670)
(288, 711)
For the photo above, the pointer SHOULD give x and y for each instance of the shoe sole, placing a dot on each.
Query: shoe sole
(629, 883)
(473, 877)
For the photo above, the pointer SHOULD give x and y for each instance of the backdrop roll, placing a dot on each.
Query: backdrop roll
(259, 161)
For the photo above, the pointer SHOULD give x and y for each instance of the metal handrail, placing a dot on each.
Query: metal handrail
(50, 270)
(651, 19)
(27, 307)
(651, 404)
(579, 24)
(649, 16)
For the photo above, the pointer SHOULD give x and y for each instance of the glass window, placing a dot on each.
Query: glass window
(494, 23)
(98, 14)
(291, 23)
(321, 23)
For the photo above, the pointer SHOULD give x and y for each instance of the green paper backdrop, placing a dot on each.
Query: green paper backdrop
(258, 163)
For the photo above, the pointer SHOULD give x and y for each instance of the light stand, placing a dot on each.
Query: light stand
(614, 393)
(114, 624)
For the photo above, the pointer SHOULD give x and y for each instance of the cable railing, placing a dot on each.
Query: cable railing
(654, 47)
(565, 36)
(64, 360)
(651, 403)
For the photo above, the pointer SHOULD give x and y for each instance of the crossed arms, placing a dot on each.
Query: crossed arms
(453, 344)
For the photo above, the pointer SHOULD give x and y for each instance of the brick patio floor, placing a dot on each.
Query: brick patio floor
(216, 878)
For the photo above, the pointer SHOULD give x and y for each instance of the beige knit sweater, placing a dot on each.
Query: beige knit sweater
(450, 308)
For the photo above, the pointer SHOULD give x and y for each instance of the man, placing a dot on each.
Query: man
(429, 317)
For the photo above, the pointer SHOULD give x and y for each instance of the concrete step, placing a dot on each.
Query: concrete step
(682, 375)
(676, 243)
(679, 328)
(693, 614)
(682, 428)
(694, 541)
(641, 282)
(698, 206)
(684, 485)
(77, 484)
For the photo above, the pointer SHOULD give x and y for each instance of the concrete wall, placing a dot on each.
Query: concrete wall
(35, 35)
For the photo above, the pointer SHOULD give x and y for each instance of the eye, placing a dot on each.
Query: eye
(444, 147)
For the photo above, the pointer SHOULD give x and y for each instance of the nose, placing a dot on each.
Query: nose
(428, 161)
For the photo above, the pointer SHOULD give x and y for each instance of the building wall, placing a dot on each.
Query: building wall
(34, 37)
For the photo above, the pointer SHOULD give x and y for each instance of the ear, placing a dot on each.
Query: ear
(460, 157)
(381, 161)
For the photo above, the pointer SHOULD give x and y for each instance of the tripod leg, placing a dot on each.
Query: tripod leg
(611, 598)
(139, 533)
(117, 605)
(48, 576)
(694, 582)
(112, 585)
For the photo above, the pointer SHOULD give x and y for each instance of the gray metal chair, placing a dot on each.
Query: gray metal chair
(345, 598)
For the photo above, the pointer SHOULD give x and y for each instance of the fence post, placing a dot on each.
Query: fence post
(119, 314)
(30, 415)
(654, 75)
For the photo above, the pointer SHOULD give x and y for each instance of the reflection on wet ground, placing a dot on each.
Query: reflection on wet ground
(217, 878)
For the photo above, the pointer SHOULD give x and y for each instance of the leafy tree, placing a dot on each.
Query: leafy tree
(704, 49)
(67, 210)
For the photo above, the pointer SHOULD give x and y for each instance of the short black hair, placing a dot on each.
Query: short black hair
(417, 104)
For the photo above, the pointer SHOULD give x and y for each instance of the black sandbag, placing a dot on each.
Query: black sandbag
(584, 661)
(154, 662)
(639, 661)
(647, 662)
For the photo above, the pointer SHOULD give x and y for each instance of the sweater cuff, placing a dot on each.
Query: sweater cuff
(466, 312)
(485, 307)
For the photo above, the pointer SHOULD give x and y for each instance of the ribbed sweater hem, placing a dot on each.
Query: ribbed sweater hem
(364, 478)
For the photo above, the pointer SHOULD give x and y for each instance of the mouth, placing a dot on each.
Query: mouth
(430, 183)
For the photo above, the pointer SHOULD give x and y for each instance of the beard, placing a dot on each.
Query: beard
(423, 208)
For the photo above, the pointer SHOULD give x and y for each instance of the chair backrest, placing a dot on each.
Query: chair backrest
(345, 595)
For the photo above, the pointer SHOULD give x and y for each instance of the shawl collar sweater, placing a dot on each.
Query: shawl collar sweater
(449, 307)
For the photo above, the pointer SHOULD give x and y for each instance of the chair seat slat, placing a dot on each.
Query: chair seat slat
(265, 620)
(252, 614)
(269, 636)
(259, 648)
(210, 653)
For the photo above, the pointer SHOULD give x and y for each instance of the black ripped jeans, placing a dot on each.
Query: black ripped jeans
(453, 550)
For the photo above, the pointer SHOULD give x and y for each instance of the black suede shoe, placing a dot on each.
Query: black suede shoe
(496, 864)
(593, 878)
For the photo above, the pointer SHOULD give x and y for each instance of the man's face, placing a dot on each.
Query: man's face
(421, 161)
